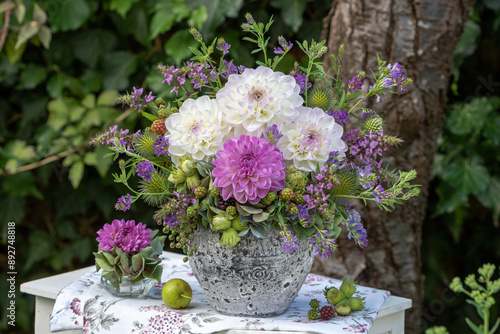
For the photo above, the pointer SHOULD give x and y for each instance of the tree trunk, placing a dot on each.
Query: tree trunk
(420, 35)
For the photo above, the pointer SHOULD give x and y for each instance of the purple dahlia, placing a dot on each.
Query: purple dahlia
(126, 235)
(247, 168)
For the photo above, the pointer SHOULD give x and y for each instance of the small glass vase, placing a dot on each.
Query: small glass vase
(128, 289)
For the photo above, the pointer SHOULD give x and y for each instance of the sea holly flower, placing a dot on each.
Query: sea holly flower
(258, 98)
(196, 131)
(247, 168)
(307, 142)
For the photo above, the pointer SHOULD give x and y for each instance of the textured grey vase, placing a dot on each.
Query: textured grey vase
(255, 279)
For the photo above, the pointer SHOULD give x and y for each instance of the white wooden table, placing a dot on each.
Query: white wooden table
(390, 318)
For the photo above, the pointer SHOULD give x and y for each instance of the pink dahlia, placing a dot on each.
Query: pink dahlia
(247, 168)
(126, 235)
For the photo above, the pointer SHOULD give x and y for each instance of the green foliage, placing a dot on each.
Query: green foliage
(467, 162)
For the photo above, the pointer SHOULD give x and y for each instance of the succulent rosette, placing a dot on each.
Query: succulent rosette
(258, 98)
(308, 142)
(196, 131)
(247, 168)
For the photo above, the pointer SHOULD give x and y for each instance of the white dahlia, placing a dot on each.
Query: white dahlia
(258, 98)
(307, 142)
(197, 131)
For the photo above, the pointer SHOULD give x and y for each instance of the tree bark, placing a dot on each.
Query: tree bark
(420, 35)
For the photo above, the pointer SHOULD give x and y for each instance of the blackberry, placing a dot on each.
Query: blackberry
(200, 192)
(314, 303)
(159, 102)
(327, 312)
(231, 210)
(292, 208)
(224, 204)
(163, 113)
(286, 194)
(215, 192)
(158, 127)
(312, 314)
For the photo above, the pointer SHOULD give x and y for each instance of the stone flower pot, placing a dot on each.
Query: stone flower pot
(254, 279)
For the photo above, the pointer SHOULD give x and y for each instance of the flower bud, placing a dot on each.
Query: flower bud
(343, 307)
(188, 168)
(357, 303)
(193, 181)
(334, 296)
(229, 238)
(348, 287)
(220, 222)
(176, 177)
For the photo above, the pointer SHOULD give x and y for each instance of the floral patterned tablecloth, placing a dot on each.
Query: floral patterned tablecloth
(84, 304)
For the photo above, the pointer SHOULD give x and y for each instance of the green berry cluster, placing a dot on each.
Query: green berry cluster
(286, 194)
(342, 299)
(180, 237)
(313, 312)
(326, 312)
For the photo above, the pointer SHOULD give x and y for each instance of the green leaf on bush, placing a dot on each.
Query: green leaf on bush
(122, 6)
(45, 36)
(20, 185)
(217, 11)
(107, 98)
(167, 12)
(469, 176)
(178, 45)
(91, 45)
(31, 76)
(70, 15)
(28, 30)
(291, 11)
(12, 53)
(198, 17)
(490, 197)
(118, 66)
(76, 173)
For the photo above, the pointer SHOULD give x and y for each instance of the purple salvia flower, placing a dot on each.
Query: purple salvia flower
(145, 170)
(136, 99)
(341, 116)
(300, 78)
(396, 71)
(272, 134)
(290, 243)
(355, 229)
(223, 46)
(355, 83)
(124, 203)
(160, 145)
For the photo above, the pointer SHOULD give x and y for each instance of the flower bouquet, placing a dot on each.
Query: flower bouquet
(129, 252)
(243, 151)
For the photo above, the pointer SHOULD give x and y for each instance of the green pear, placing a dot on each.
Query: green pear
(177, 293)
